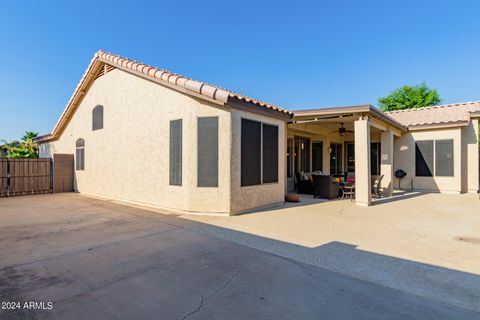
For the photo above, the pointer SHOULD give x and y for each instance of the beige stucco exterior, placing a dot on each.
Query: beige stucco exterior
(248, 197)
(405, 159)
(129, 158)
(397, 152)
(470, 157)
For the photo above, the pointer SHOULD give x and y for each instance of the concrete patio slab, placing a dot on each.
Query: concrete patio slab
(425, 244)
(97, 259)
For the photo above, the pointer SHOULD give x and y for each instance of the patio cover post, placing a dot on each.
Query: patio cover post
(386, 164)
(362, 162)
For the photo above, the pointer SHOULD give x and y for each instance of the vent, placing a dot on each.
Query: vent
(106, 68)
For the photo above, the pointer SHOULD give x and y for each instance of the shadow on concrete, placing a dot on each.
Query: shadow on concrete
(398, 195)
(458, 288)
(88, 258)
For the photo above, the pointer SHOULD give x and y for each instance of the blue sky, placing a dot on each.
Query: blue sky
(297, 54)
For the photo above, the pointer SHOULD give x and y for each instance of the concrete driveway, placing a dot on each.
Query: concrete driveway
(94, 259)
(424, 244)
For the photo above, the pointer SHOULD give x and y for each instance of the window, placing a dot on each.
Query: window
(336, 159)
(350, 150)
(375, 154)
(302, 154)
(251, 150)
(80, 154)
(97, 118)
(270, 153)
(207, 162)
(289, 157)
(259, 153)
(444, 158)
(375, 157)
(175, 163)
(424, 158)
(317, 156)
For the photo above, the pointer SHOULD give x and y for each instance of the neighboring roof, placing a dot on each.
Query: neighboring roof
(445, 115)
(341, 111)
(176, 81)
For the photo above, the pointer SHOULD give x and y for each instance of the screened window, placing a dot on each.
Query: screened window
(251, 151)
(317, 156)
(175, 163)
(80, 154)
(97, 118)
(207, 152)
(259, 153)
(424, 158)
(270, 153)
(444, 158)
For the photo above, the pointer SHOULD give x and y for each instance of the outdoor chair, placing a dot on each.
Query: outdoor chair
(303, 186)
(324, 187)
(376, 186)
(348, 191)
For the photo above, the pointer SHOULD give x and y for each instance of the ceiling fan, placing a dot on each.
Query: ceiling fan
(342, 130)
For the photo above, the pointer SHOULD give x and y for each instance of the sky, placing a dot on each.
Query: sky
(296, 54)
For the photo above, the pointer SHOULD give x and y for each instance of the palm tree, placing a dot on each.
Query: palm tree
(25, 149)
(29, 136)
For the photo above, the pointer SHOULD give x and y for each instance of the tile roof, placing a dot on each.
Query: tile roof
(441, 115)
(197, 88)
(210, 91)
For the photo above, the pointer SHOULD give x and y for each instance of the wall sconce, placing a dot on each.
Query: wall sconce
(329, 150)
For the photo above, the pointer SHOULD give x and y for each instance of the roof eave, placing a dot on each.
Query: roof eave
(360, 109)
(447, 125)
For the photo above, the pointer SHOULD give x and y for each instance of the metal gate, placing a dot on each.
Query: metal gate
(25, 176)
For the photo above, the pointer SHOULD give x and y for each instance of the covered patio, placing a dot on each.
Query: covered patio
(345, 143)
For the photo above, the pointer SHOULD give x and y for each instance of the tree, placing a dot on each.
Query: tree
(409, 97)
(27, 148)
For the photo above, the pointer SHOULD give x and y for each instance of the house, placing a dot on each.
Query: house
(145, 135)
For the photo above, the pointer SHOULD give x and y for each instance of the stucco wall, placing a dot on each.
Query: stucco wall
(129, 158)
(470, 157)
(249, 197)
(404, 158)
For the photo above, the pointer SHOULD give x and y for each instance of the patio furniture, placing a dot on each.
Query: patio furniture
(324, 187)
(376, 186)
(304, 186)
(349, 191)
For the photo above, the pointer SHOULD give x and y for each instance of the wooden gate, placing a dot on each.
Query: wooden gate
(25, 176)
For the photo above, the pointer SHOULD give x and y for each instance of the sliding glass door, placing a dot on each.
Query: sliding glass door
(375, 155)
(336, 159)
(302, 154)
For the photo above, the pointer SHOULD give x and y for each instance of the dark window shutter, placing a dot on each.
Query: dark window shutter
(444, 158)
(97, 118)
(175, 162)
(270, 153)
(424, 158)
(251, 149)
(207, 163)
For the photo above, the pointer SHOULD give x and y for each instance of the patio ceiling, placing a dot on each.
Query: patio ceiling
(332, 117)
